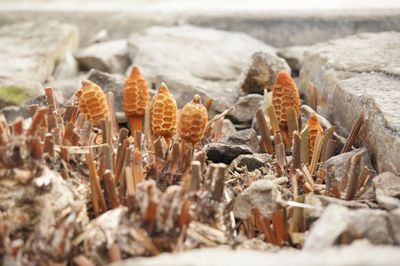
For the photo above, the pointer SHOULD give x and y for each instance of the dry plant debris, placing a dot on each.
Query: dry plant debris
(76, 189)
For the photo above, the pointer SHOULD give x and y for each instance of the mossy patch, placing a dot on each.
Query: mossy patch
(14, 94)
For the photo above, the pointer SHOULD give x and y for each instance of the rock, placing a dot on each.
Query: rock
(194, 60)
(67, 87)
(371, 224)
(388, 184)
(101, 36)
(394, 225)
(359, 253)
(246, 108)
(28, 54)
(294, 57)
(327, 229)
(354, 73)
(341, 163)
(109, 56)
(261, 194)
(246, 137)
(387, 190)
(13, 112)
(224, 153)
(260, 72)
(338, 223)
(228, 128)
(67, 68)
(251, 161)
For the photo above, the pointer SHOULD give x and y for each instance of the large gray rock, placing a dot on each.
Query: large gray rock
(194, 60)
(394, 225)
(357, 72)
(260, 72)
(261, 194)
(387, 190)
(341, 163)
(337, 222)
(246, 108)
(67, 68)
(109, 56)
(246, 137)
(28, 54)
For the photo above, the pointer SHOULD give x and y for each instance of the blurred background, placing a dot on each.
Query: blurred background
(278, 22)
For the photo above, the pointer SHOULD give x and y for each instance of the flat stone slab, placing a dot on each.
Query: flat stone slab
(354, 73)
(28, 54)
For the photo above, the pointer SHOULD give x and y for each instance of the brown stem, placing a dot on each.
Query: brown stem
(135, 123)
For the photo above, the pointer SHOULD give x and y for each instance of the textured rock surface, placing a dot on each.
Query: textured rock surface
(387, 190)
(246, 108)
(225, 153)
(341, 163)
(109, 56)
(339, 222)
(28, 54)
(228, 128)
(193, 59)
(356, 72)
(246, 137)
(261, 194)
(294, 56)
(251, 161)
(260, 72)
(67, 68)
(388, 184)
(394, 220)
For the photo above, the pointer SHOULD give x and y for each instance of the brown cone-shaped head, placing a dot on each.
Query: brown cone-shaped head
(136, 94)
(284, 95)
(163, 113)
(92, 102)
(314, 127)
(193, 121)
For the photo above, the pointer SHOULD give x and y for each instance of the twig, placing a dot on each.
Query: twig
(353, 177)
(219, 184)
(264, 130)
(316, 154)
(121, 160)
(313, 97)
(195, 176)
(37, 120)
(296, 153)
(98, 201)
(292, 122)
(355, 130)
(272, 119)
(305, 147)
(111, 189)
(137, 170)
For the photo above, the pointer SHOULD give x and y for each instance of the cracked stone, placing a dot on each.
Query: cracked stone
(354, 73)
